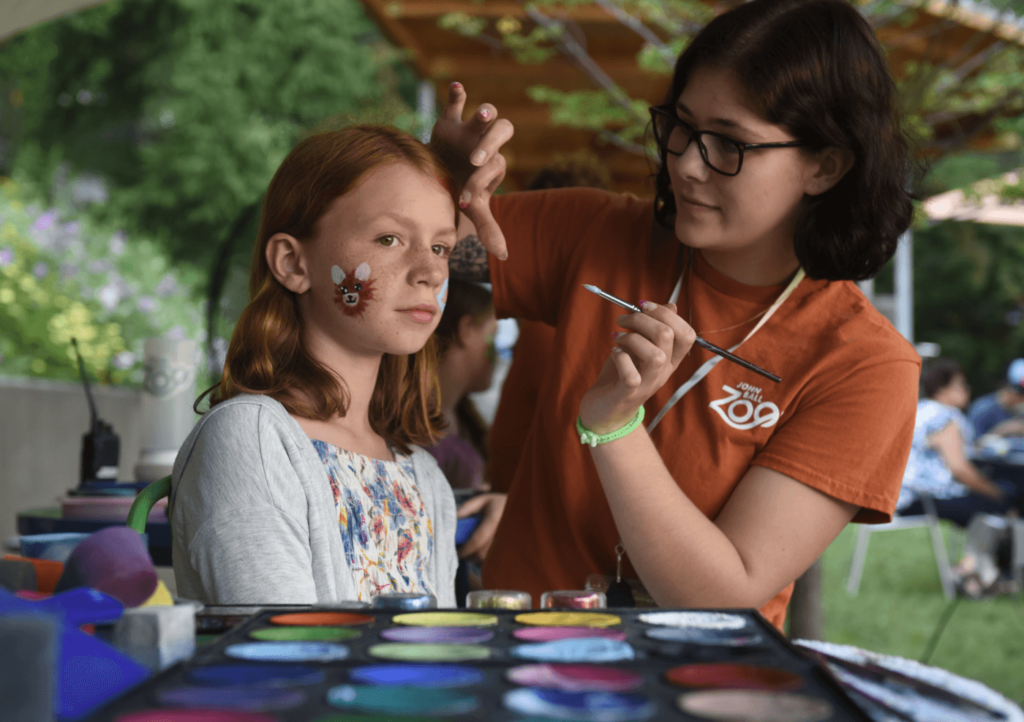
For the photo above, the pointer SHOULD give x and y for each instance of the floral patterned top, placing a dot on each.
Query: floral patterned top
(384, 526)
(926, 472)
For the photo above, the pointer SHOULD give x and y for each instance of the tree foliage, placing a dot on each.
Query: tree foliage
(186, 107)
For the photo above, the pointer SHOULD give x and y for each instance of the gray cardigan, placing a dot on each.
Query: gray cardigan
(254, 519)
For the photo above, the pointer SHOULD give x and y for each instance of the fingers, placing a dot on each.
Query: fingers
(480, 542)
(475, 202)
(494, 132)
(663, 327)
(456, 103)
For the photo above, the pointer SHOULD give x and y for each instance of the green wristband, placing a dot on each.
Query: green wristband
(589, 437)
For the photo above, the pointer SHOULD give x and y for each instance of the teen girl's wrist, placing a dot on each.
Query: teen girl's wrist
(597, 428)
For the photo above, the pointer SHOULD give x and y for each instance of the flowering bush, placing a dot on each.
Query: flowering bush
(64, 278)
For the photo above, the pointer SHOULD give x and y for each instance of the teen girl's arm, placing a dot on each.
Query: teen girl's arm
(949, 442)
(772, 528)
(471, 151)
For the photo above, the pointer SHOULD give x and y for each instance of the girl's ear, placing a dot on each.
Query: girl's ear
(832, 164)
(288, 262)
(466, 328)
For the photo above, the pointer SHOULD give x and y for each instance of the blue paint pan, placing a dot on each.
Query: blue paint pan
(710, 637)
(244, 698)
(270, 675)
(82, 606)
(584, 649)
(418, 675)
(590, 706)
(288, 651)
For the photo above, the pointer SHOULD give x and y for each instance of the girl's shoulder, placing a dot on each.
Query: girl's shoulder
(933, 415)
(245, 413)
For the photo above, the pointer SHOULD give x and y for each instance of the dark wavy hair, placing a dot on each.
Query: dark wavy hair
(815, 68)
(267, 354)
(937, 374)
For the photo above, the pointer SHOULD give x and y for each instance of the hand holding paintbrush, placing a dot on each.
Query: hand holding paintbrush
(698, 341)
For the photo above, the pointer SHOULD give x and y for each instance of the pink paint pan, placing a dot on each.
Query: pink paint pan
(575, 677)
(554, 634)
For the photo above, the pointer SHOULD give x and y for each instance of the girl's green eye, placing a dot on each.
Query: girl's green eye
(441, 250)
(387, 240)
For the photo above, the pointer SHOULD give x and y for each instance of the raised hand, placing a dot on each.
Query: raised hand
(471, 150)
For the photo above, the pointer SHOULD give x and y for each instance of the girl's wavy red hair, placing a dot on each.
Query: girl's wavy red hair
(267, 355)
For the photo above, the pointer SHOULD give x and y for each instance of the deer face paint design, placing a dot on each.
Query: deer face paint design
(352, 290)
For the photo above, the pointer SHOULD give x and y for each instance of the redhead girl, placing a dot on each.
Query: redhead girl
(782, 179)
(305, 483)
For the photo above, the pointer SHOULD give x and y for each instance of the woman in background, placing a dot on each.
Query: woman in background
(465, 346)
(939, 466)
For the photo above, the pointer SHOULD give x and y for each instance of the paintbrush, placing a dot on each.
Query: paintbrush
(699, 341)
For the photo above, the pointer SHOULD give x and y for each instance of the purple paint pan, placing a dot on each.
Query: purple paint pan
(437, 635)
(245, 698)
(554, 634)
(575, 677)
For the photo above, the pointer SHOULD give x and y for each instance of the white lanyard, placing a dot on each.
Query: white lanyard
(707, 366)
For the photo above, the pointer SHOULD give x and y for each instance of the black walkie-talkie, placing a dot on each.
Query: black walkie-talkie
(101, 447)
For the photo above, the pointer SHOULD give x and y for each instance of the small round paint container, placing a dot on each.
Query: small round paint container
(436, 676)
(499, 599)
(402, 700)
(401, 652)
(404, 602)
(603, 706)
(754, 706)
(287, 651)
(585, 649)
(706, 637)
(699, 620)
(321, 619)
(568, 619)
(573, 599)
(249, 698)
(722, 675)
(446, 619)
(438, 635)
(553, 634)
(575, 677)
(192, 715)
(270, 675)
(305, 634)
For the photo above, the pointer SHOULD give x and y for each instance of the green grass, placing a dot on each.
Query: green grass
(900, 603)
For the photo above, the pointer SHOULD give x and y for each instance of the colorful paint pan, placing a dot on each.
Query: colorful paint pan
(498, 599)
(321, 619)
(708, 637)
(700, 620)
(437, 635)
(404, 601)
(719, 675)
(573, 599)
(271, 675)
(248, 698)
(592, 706)
(287, 651)
(754, 706)
(568, 619)
(306, 634)
(553, 634)
(575, 677)
(437, 676)
(575, 650)
(402, 700)
(402, 652)
(192, 715)
(446, 619)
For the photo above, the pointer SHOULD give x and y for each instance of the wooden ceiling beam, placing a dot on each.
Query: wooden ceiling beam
(397, 33)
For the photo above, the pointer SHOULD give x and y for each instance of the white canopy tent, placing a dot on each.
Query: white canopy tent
(16, 15)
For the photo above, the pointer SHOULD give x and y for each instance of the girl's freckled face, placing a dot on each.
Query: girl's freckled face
(379, 262)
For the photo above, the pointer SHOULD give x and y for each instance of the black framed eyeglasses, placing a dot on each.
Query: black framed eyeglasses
(720, 153)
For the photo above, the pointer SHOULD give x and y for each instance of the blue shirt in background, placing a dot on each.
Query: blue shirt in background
(926, 472)
(986, 412)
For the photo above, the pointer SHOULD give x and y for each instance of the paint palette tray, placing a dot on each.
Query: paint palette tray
(611, 665)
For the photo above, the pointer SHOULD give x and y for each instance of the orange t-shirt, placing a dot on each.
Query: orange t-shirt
(846, 404)
(514, 416)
